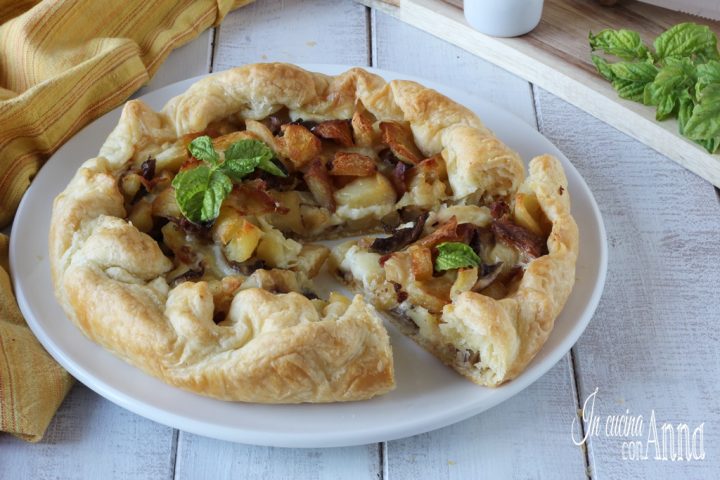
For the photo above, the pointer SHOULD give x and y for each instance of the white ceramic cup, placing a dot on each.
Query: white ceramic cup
(503, 18)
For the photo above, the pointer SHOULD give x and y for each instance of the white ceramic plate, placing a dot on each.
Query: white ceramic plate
(428, 395)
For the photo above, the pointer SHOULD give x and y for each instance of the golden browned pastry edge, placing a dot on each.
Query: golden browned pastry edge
(109, 277)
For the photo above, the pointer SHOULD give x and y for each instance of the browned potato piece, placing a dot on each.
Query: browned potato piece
(422, 264)
(165, 204)
(362, 125)
(262, 132)
(222, 143)
(252, 198)
(432, 168)
(141, 216)
(311, 259)
(447, 232)
(299, 145)
(239, 238)
(337, 130)
(320, 185)
(275, 280)
(352, 165)
(130, 184)
(432, 294)
(289, 220)
(399, 138)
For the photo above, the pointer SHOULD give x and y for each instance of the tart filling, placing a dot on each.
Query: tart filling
(189, 248)
(433, 272)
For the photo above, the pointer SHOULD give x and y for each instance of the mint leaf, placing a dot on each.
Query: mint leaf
(673, 81)
(622, 43)
(687, 40)
(452, 255)
(239, 168)
(202, 149)
(200, 192)
(253, 152)
(704, 124)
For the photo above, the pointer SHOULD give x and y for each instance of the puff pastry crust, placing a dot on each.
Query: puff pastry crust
(111, 280)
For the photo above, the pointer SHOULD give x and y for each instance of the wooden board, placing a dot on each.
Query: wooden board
(556, 57)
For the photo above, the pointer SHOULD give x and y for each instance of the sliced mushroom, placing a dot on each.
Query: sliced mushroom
(398, 178)
(399, 138)
(487, 274)
(336, 130)
(450, 231)
(401, 238)
(519, 237)
(352, 164)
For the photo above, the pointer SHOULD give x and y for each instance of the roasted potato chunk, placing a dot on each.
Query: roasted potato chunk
(275, 280)
(311, 259)
(141, 216)
(363, 127)
(299, 145)
(421, 262)
(336, 130)
(276, 250)
(165, 204)
(290, 219)
(366, 192)
(222, 143)
(262, 132)
(320, 185)
(237, 236)
(399, 138)
(352, 165)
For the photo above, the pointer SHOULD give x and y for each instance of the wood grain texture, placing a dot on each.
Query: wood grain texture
(201, 458)
(395, 46)
(538, 420)
(91, 438)
(527, 436)
(653, 343)
(324, 31)
(552, 57)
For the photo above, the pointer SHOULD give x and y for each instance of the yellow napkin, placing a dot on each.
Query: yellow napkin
(64, 63)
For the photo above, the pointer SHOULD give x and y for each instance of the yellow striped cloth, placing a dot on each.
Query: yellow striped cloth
(64, 63)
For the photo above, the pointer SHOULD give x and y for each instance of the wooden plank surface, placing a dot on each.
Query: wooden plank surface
(91, 438)
(653, 343)
(323, 31)
(539, 418)
(545, 58)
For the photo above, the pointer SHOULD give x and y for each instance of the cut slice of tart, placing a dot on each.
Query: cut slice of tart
(479, 286)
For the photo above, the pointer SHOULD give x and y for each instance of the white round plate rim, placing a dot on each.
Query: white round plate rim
(30, 267)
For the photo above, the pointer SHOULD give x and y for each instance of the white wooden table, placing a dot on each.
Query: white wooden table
(652, 345)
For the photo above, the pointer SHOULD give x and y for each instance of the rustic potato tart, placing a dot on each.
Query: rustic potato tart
(187, 246)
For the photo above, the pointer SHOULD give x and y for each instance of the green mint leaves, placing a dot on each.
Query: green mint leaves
(680, 76)
(200, 191)
(452, 255)
(202, 149)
